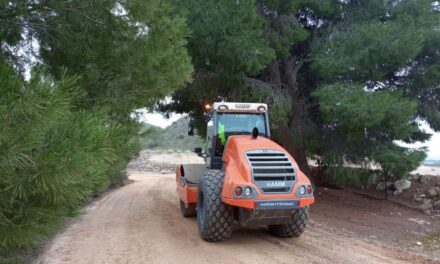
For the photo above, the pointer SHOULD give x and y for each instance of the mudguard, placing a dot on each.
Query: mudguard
(187, 177)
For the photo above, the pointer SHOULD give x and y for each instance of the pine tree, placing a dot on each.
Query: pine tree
(69, 132)
(323, 56)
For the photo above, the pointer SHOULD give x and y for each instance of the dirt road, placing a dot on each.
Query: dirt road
(141, 223)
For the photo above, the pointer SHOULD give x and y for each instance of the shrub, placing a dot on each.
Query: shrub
(345, 176)
(53, 156)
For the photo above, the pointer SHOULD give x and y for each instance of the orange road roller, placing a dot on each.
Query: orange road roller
(246, 178)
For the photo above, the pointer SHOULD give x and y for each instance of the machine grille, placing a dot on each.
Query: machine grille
(272, 171)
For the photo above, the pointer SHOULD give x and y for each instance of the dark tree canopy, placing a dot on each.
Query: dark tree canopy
(67, 130)
(350, 78)
(128, 53)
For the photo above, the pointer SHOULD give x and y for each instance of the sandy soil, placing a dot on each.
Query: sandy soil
(141, 223)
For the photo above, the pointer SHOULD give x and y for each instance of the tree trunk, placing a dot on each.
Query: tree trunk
(274, 73)
(294, 138)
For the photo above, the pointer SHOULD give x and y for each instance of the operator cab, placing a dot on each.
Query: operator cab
(227, 119)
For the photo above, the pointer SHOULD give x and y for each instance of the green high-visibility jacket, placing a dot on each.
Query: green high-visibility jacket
(221, 133)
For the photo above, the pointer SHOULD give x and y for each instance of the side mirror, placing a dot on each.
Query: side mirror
(190, 130)
(207, 117)
(198, 151)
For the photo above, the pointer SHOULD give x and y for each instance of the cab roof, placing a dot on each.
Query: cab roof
(239, 107)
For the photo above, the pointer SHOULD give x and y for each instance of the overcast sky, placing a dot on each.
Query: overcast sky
(434, 147)
(158, 119)
(433, 144)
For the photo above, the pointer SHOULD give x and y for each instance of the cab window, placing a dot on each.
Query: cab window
(237, 124)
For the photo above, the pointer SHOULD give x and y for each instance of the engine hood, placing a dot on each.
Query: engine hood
(244, 143)
(244, 160)
(237, 146)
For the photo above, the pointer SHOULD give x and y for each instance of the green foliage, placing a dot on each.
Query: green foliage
(370, 122)
(52, 157)
(355, 75)
(173, 137)
(396, 161)
(320, 7)
(284, 30)
(352, 111)
(64, 138)
(391, 50)
(226, 37)
(125, 142)
(152, 137)
(368, 51)
(395, 45)
(10, 260)
(93, 42)
(277, 100)
(343, 176)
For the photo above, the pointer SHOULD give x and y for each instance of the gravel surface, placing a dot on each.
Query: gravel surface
(162, 160)
(141, 223)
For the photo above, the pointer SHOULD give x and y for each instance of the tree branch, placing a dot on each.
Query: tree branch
(291, 69)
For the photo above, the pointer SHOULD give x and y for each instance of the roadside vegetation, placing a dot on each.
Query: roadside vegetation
(345, 80)
(71, 75)
(173, 137)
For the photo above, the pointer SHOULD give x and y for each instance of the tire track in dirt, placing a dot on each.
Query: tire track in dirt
(141, 223)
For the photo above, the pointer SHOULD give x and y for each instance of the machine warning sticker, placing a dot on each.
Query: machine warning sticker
(281, 204)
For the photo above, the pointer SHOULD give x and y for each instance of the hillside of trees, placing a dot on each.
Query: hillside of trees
(174, 137)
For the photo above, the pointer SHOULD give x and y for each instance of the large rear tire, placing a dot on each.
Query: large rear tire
(295, 227)
(187, 212)
(214, 218)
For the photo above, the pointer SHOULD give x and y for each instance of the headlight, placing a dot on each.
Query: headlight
(248, 191)
(302, 190)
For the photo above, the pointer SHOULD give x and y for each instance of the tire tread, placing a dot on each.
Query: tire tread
(219, 216)
(295, 227)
